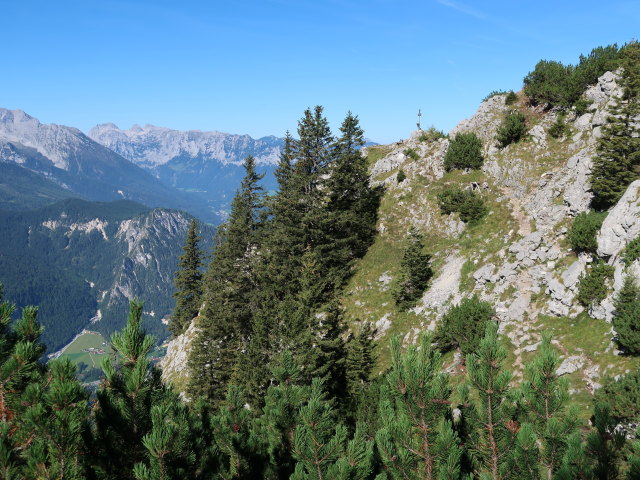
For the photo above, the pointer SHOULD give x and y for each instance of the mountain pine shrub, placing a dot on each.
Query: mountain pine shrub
(545, 397)
(431, 135)
(631, 252)
(561, 85)
(583, 231)
(416, 435)
(412, 154)
(489, 429)
(623, 395)
(401, 176)
(512, 129)
(464, 325)
(493, 94)
(464, 152)
(593, 286)
(511, 98)
(467, 203)
(559, 128)
(581, 106)
(549, 82)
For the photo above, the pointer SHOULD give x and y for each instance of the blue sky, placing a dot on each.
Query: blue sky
(254, 66)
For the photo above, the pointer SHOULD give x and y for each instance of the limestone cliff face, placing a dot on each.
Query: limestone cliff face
(518, 258)
(174, 364)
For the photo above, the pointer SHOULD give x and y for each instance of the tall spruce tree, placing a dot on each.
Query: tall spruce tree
(352, 204)
(292, 274)
(360, 359)
(230, 286)
(330, 351)
(188, 281)
(618, 161)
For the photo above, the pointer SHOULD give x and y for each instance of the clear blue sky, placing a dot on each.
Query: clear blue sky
(254, 66)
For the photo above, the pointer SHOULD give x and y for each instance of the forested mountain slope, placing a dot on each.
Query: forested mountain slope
(82, 262)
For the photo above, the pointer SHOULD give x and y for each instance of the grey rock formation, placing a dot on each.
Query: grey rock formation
(622, 224)
(174, 365)
(570, 364)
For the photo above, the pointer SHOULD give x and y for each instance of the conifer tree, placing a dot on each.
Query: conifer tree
(188, 281)
(169, 443)
(230, 285)
(618, 159)
(231, 428)
(604, 444)
(360, 359)
(275, 427)
(575, 463)
(492, 429)
(524, 462)
(292, 276)
(321, 448)
(626, 318)
(43, 412)
(352, 204)
(330, 352)
(285, 165)
(545, 397)
(56, 421)
(416, 440)
(415, 272)
(634, 460)
(125, 399)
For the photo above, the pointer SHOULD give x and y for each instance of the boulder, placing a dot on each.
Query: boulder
(570, 365)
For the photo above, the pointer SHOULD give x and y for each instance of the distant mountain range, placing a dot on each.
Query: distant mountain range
(206, 163)
(65, 160)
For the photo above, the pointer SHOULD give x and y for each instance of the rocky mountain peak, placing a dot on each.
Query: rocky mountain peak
(152, 146)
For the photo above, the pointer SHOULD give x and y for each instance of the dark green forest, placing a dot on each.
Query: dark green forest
(52, 267)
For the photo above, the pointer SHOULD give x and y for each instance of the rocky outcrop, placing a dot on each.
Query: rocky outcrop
(622, 223)
(174, 365)
(150, 146)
